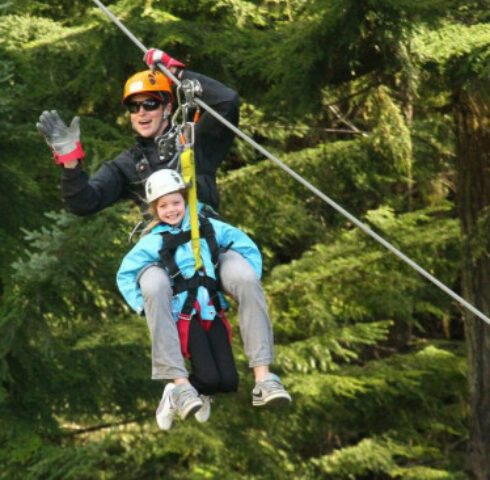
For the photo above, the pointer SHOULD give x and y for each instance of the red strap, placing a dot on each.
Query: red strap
(183, 324)
(205, 324)
(76, 154)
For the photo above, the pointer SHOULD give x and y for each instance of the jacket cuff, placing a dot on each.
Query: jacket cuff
(72, 172)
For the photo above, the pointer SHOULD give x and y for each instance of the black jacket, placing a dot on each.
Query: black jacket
(119, 178)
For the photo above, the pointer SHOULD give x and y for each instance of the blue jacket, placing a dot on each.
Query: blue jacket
(146, 253)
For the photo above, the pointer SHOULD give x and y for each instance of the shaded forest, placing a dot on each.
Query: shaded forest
(384, 106)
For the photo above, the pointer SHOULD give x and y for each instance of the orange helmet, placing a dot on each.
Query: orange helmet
(147, 82)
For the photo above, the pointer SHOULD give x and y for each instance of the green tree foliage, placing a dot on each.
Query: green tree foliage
(354, 96)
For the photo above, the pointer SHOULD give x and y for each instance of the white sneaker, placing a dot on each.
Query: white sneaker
(270, 391)
(166, 411)
(202, 415)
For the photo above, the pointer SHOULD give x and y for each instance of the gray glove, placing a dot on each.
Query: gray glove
(63, 140)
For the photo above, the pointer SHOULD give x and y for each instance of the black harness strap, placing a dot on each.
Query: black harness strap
(207, 231)
(182, 284)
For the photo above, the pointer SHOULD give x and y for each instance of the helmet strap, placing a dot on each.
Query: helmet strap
(165, 117)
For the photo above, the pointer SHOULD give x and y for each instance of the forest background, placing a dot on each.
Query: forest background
(384, 106)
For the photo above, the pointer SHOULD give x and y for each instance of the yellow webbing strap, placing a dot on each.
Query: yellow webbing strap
(189, 175)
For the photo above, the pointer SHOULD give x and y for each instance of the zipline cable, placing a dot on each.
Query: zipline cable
(301, 180)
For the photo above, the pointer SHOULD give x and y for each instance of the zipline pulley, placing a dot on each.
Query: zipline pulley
(190, 88)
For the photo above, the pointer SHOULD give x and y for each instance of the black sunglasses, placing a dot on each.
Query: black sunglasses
(149, 104)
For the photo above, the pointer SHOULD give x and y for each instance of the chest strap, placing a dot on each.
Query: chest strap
(181, 284)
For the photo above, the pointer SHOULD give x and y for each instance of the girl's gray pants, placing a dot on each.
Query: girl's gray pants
(241, 282)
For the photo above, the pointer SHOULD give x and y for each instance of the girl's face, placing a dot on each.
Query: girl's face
(171, 208)
(148, 123)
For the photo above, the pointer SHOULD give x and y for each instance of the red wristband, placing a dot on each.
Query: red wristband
(76, 154)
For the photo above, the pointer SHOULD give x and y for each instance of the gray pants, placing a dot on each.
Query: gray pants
(241, 282)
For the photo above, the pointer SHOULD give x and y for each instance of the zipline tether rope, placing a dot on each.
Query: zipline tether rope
(301, 180)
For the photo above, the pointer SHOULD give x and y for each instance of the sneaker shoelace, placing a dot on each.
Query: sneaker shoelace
(272, 384)
(185, 395)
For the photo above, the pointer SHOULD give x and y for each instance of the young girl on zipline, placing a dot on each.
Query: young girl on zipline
(199, 329)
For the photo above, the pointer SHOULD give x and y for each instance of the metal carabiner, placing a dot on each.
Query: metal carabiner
(187, 134)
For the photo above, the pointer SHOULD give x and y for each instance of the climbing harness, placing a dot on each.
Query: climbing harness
(301, 180)
(180, 283)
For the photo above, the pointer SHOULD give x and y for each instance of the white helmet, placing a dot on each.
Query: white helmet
(163, 182)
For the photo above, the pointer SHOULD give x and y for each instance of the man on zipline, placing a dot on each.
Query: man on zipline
(149, 100)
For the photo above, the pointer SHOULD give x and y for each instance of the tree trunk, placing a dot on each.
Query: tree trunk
(472, 120)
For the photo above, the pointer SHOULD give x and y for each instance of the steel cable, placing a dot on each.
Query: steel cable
(304, 182)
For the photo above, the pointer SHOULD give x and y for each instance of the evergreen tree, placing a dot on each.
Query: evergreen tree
(362, 99)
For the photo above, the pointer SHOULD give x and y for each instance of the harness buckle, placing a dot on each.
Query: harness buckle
(176, 274)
